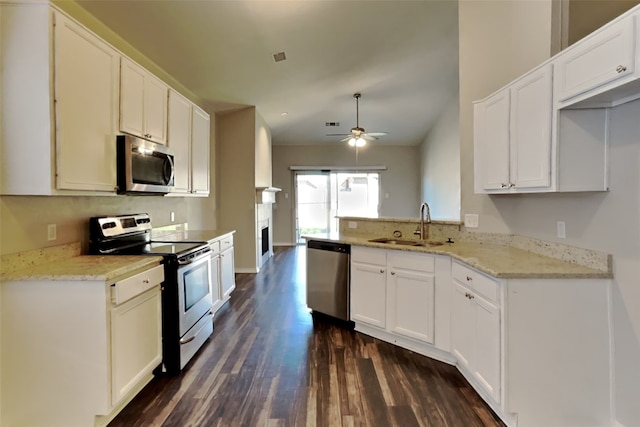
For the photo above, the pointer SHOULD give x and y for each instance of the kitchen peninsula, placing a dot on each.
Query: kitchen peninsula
(514, 314)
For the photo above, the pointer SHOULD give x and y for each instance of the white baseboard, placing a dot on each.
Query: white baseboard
(284, 244)
(247, 270)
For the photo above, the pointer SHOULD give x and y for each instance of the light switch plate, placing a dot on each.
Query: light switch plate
(471, 220)
(561, 230)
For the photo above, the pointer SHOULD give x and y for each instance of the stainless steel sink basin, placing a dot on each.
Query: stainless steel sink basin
(394, 241)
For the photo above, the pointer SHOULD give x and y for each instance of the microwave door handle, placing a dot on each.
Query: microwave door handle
(172, 169)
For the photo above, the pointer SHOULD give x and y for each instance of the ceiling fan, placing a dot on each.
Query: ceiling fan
(358, 137)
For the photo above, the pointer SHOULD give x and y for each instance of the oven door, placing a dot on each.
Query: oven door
(194, 291)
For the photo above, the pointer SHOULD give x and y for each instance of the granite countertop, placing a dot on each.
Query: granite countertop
(501, 261)
(85, 267)
(192, 235)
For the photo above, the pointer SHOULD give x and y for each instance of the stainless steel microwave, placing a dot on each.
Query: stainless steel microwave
(144, 166)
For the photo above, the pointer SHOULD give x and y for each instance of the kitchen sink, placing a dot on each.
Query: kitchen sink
(394, 241)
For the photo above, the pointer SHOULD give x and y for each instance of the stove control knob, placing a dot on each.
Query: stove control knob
(108, 225)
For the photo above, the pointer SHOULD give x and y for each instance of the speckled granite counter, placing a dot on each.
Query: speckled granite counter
(64, 263)
(191, 235)
(497, 260)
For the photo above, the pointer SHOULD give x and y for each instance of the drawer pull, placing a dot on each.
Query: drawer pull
(145, 281)
(381, 271)
(621, 69)
(393, 273)
(469, 278)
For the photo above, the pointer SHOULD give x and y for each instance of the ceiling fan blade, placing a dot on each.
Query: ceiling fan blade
(377, 133)
(337, 134)
(346, 139)
(368, 137)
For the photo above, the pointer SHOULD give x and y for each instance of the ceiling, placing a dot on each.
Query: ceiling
(401, 55)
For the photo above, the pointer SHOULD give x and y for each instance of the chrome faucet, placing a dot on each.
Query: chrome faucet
(423, 207)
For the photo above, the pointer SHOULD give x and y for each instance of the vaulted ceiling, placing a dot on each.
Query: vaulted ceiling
(401, 55)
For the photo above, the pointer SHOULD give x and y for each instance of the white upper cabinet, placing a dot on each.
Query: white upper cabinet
(59, 91)
(597, 62)
(200, 122)
(143, 103)
(189, 130)
(530, 130)
(179, 140)
(512, 131)
(491, 142)
(86, 94)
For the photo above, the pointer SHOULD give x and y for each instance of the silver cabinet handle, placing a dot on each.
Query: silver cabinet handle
(469, 278)
(621, 69)
(145, 281)
(471, 296)
(503, 185)
(393, 273)
(381, 271)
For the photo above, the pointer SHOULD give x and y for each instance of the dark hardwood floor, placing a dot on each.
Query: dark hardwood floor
(270, 363)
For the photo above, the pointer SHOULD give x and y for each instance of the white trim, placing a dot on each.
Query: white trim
(339, 168)
(612, 363)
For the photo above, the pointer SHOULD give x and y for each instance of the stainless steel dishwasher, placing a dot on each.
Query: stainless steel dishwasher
(328, 278)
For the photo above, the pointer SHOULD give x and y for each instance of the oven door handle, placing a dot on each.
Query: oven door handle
(188, 340)
(187, 262)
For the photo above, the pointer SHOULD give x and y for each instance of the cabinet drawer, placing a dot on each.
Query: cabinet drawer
(226, 243)
(412, 261)
(606, 56)
(135, 285)
(368, 255)
(475, 280)
(215, 247)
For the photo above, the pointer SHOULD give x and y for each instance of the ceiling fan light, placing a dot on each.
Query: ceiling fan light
(352, 142)
(361, 142)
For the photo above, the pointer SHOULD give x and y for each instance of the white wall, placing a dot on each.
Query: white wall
(401, 180)
(498, 42)
(440, 165)
(263, 153)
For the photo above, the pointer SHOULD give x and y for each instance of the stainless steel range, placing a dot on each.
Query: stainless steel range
(187, 319)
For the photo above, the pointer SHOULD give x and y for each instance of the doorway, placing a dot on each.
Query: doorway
(322, 196)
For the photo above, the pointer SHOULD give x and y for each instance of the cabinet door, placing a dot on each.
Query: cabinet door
(155, 109)
(132, 98)
(227, 273)
(200, 151)
(606, 56)
(530, 132)
(86, 94)
(491, 142)
(411, 304)
(463, 331)
(216, 288)
(368, 294)
(179, 139)
(486, 365)
(136, 342)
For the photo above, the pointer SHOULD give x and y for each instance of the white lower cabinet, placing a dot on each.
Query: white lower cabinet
(223, 277)
(476, 328)
(393, 296)
(227, 273)
(79, 350)
(410, 295)
(368, 286)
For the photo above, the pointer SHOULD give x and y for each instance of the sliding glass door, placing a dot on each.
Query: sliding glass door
(321, 196)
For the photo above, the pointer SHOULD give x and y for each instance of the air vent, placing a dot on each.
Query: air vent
(332, 124)
(280, 56)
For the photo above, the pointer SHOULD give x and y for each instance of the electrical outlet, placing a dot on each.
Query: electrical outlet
(471, 220)
(352, 224)
(172, 216)
(561, 229)
(51, 232)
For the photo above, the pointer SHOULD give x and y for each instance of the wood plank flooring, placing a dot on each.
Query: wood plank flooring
(270, 363)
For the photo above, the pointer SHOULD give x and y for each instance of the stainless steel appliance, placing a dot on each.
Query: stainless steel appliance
(328, 278)
(144, 166)
(187, 317)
